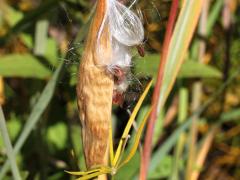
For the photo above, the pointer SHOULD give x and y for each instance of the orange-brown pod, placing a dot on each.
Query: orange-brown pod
(95, 90)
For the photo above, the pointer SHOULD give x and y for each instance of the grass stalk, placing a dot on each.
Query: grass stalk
(201, 157)
(182, 115)
(197, 92)
(227, 26)
(178, 46)
(9, 148)
(153, 116)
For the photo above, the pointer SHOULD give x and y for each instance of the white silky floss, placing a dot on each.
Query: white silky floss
(126, 31)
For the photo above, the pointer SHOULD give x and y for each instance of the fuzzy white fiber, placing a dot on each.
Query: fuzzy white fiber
(126, 31)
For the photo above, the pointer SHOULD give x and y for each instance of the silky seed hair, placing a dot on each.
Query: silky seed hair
(125, 30)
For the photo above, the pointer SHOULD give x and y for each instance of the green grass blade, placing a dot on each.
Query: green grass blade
(231, 115)
(35, 115)
(166, 147)
(41, 33)
(10, 153)
(211, 21)
(214, 15)
(189, 69)
(182, 115)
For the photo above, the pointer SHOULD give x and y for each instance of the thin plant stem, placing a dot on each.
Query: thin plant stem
(182, 116)
(201, 157)
(7, 142)
(227, 26)
(197, 92)
(153, 116)
(1, 90)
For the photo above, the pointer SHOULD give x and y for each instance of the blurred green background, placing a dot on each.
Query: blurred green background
(40, 48)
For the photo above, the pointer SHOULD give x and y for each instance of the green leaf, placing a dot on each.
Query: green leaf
(11, 15)
(164, 168)
(130, 169)
(27, 40)
(51, 52)
(194, 69)
(13, 126)
(231, 115)
(189, 69)
(148, 65)
(57, 135)
(22, 65)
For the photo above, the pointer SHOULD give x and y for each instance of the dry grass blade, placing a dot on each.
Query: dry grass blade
(153, 116)
(180, 41)
(179, 44)
(197, 90)
(201, 157)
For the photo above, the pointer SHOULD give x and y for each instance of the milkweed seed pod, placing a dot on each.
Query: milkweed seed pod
(113, 31)
(94, 91)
